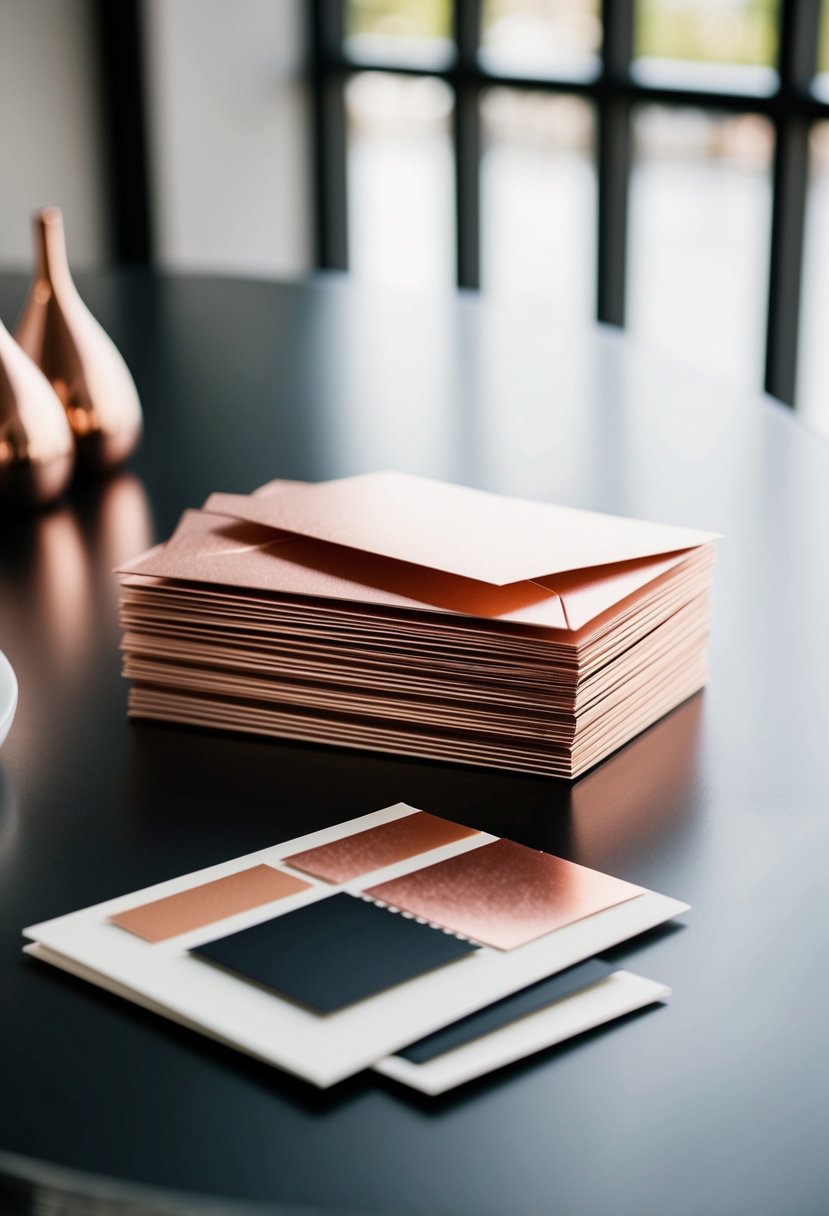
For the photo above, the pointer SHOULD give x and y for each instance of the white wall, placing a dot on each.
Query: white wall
(229, 135)
(228, 132)
(49, 142)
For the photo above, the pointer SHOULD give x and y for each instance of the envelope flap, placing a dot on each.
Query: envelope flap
(224, 553)
(585, 594)
(458, 530)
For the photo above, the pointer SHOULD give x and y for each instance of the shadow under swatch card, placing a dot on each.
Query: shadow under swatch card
(398, 932)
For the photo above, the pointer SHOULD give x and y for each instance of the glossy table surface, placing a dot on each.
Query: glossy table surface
(716, 1103)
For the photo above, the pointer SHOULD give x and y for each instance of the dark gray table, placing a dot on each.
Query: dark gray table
(718, 1103)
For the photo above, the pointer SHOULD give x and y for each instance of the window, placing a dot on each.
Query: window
(534, 146)
(699, 236)
(538, 197)
(399, 181)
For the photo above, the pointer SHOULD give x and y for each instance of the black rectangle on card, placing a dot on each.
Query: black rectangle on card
(334, 952)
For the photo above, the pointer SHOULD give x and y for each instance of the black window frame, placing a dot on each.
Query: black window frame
(791, 108)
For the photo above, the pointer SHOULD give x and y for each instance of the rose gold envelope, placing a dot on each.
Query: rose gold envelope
(409, 543)
(471, 533)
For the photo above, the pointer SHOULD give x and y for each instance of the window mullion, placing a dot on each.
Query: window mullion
(799, 27)
(327, 29)
(467, 143)
(120, 53)
(614, 159)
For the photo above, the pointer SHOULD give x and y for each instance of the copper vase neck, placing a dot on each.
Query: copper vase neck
(50, 242)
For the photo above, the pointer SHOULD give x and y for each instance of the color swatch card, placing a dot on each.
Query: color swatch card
(398, 932)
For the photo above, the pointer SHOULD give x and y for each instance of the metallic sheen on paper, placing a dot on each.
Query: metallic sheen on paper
(504, 894)
(212, 901)
(362, 852)
(457, 529)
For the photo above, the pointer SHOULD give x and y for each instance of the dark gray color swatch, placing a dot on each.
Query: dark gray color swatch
(509, 1009)
(334, 952)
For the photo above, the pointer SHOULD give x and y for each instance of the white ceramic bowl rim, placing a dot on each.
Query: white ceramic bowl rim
(8, 696)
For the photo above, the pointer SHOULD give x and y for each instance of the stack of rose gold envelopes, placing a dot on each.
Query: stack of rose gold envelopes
(399, 614)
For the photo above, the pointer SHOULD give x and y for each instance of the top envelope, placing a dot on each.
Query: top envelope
(219, 552)
(455, 529)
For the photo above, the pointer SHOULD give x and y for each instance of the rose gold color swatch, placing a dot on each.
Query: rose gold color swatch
(362, 852)
(504, 894)
(212, 901)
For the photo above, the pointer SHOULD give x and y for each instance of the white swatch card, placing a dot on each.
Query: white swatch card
(166, 977)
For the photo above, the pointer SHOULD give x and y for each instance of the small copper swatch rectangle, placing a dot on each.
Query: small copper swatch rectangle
(362, 852)
(212, 901)
(504, 894)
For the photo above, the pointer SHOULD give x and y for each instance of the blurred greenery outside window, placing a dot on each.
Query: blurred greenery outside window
(709, 31)
(399, 18)
(414, 32)
(559, 37)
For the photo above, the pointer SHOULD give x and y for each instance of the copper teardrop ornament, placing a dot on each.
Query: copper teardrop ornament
(81, 362)
(37, 451)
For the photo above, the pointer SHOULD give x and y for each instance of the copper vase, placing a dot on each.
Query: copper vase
(82, 363)
(37, 451)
